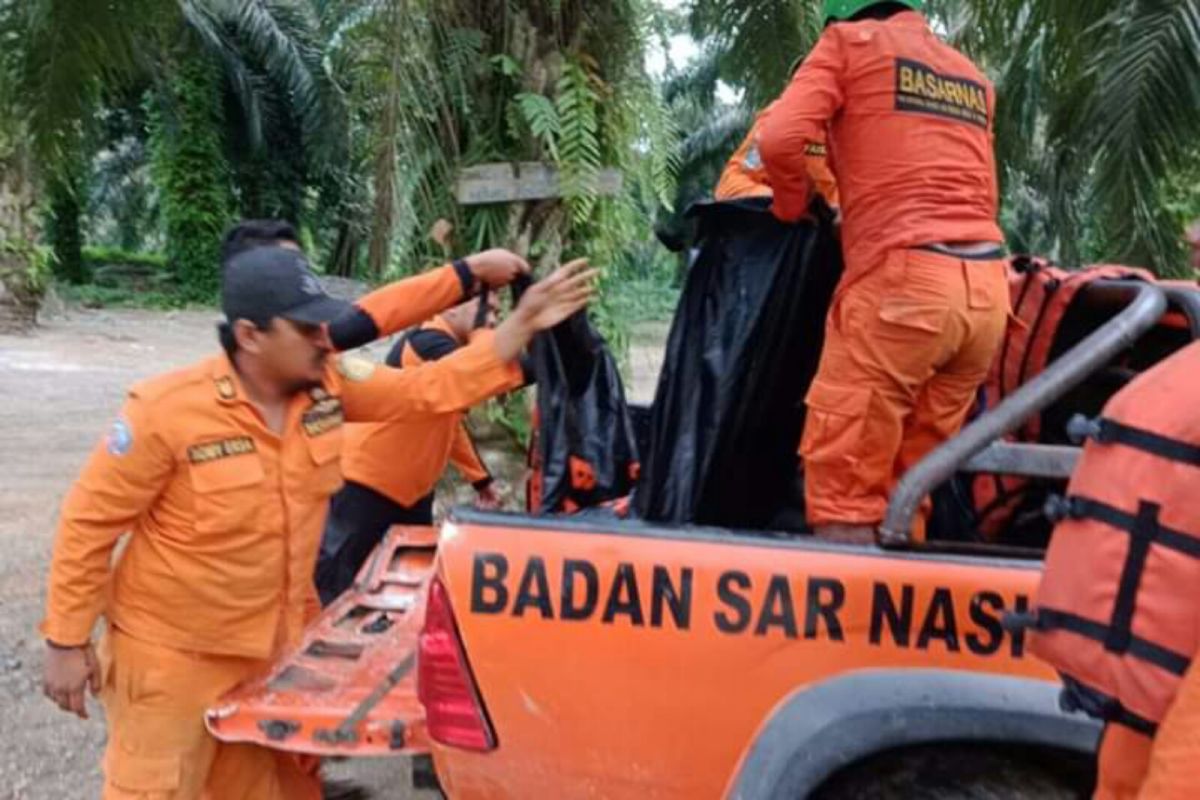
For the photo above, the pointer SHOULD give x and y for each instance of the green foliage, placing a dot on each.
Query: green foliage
(511, 412)
(645, 299)
(25, 270)
(192, 174)
(541, 115)
(579, 147)
(755, 42)
(125, 296)
(103, 256)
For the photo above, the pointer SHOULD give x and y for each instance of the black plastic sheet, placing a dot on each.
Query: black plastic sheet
(743, 348)
(586, 449)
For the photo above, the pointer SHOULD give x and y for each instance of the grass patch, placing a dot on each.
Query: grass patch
(100, 256)
(95, 296)
(638, 300)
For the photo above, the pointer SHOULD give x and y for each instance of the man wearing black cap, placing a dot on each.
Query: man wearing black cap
(222, 472)
(398, 305)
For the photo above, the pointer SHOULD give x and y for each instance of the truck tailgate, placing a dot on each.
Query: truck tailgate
(350, 687)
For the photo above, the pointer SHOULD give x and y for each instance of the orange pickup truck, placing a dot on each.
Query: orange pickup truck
(593, 656)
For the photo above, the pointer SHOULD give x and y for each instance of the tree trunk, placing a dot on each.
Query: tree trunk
(20, 283)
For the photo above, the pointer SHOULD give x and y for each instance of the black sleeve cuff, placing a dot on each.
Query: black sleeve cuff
(353, 329)
(464, 277)
(480, 485)
(528, 371)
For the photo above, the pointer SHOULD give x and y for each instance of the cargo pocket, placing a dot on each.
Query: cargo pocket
(914, 316)
(911, 340)
(836, 432)
(141, 777)
(228, 493)
(325, 452)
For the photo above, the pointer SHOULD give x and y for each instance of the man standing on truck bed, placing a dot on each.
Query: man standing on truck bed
(222, 472)
(922, 305)
(391, 468)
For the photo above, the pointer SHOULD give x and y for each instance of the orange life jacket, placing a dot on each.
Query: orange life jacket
(1041, 295)
(1118, 608)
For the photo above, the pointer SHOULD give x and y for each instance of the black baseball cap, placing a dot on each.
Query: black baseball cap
(268, 282)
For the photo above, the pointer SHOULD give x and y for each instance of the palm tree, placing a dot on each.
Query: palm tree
(243, 113)
(438, 86)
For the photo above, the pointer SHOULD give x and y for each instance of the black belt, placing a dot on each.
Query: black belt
(995, 254)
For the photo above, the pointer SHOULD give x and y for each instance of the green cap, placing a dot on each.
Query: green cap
(845, 9)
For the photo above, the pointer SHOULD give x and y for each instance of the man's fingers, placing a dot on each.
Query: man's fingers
(573, 282)
(76, 704)
(567, 271)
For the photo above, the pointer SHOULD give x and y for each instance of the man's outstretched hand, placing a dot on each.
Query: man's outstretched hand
(545, 304)
(496, 267)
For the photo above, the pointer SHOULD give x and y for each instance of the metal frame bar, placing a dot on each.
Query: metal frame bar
(1147, 307)
(1188, 301)
(1029, 460)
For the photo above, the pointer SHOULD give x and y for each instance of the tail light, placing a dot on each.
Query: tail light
(454, 714)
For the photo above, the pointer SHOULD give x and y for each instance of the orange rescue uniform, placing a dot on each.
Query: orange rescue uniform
(404, 459)
(912, 331)
(745, 176)
(226, 518)
(1174, 768)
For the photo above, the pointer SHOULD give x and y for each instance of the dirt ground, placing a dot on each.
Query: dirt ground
(59, 387)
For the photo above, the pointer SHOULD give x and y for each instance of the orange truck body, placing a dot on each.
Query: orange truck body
(657, 683)
(622, 660)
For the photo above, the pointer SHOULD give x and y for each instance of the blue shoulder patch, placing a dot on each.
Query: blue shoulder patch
(120, 438)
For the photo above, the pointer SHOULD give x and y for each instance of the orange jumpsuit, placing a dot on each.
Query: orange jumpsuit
(912, 331)
(391, 470)
(403, 459)
(745, 176)
(1170, 762)
(225, 519)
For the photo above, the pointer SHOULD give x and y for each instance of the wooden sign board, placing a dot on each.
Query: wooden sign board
(525, 180)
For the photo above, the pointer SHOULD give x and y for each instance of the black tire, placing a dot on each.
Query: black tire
(963, 772)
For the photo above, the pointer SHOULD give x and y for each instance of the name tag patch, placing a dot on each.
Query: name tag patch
(226, 448)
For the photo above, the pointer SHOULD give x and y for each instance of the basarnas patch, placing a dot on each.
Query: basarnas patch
(922, 90)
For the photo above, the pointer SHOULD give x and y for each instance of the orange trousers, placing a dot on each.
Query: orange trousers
(1174, 770)
(158, 748)
(1121, 763)
(907, 346)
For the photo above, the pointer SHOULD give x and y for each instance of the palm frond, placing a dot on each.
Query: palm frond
(759, 40)
(1146, 119)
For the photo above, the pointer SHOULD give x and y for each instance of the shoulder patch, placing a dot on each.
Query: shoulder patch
(225, 388)
(120, 438)
(356, 369)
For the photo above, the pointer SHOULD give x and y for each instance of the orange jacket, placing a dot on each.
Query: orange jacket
(745, 175)
(394, 307)
(909, 123)
(403, 459)
(226, 517)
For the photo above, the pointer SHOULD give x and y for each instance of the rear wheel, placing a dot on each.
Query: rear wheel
(964, 772)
